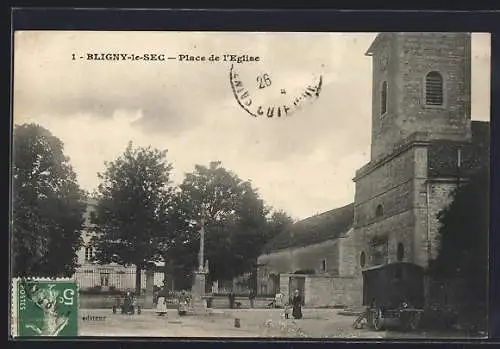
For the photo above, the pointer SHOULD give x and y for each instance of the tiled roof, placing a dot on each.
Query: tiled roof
(312, 230)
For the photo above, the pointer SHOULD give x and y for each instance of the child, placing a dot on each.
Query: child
(286, 311)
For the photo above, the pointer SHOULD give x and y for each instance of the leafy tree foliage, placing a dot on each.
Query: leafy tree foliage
(235, 219)
(179, 242)
(278, 222)
(48, 205)
(133, 208)
(463, 238)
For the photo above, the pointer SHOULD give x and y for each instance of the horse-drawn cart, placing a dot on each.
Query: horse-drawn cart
(393, 295)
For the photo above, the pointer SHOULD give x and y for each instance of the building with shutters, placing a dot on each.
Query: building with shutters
(91, 276)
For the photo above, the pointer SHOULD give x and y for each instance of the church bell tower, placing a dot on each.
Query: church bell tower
(420, 120)
(421, 83)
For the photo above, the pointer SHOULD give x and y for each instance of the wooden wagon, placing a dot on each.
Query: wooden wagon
(393, 295)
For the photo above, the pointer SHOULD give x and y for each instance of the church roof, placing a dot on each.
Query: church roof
(328, 225)
(381, 37)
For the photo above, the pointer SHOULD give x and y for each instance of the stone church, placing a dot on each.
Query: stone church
(423, 145)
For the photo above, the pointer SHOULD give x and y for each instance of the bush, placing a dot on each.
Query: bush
(439, 318)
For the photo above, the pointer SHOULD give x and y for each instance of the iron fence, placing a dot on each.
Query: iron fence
(103, 279)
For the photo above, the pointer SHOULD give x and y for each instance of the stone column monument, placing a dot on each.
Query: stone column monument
(200, 275)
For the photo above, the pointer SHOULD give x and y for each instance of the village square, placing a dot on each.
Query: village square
(208, 258)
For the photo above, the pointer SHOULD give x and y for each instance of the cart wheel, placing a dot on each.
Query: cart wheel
(377, 320)
(359, 322)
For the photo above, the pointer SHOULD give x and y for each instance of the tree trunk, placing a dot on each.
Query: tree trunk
(138, 278)
(168, 273)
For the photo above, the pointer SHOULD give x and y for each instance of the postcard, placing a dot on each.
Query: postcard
(250, 184)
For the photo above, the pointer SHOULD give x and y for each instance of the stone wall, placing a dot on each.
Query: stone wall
(324, 291)
(383, 177)
(391, 185)
(411, 56)
(440, 197)
(348, 255)
(285, 286)
(302, 258)
(342, 259)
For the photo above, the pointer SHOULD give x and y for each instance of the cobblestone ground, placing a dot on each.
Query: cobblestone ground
(317, 323)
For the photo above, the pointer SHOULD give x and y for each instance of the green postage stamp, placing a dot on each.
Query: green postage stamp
(44, 307)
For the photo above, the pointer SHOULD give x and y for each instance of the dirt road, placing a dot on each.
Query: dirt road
(317, 323)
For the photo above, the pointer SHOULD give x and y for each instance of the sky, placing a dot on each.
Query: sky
(302, 163)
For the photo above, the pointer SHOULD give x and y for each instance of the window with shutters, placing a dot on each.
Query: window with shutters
(383, 98)
(434, 88)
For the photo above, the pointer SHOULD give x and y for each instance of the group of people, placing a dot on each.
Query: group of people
(161, 302)
(295, 302)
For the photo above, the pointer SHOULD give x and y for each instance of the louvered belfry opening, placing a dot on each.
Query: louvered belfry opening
(434, 88)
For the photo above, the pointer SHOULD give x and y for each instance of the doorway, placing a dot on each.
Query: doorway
(297, 283)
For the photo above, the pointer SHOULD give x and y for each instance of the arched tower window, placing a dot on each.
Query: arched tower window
(434, 88)
(379, 211)
(400, 252)
(383, 98)
(362, 259)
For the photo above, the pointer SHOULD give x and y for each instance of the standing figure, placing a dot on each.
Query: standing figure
(278, 300)
(297, 305)
(251, 297)
(161, 306)
(232, 298)
(127, 304)
(184, 297)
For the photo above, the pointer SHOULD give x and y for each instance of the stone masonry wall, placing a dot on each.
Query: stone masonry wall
(449, 54)
(383, 73)
(323, 291)
(303, 258)
(348, 255)
(413, 55)
(427, 222)
(393, 173)
(392, 186)
(398, 228)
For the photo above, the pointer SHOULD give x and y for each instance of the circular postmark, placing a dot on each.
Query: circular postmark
(269, 95)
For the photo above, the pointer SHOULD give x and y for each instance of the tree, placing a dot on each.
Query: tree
(278, 222)
(463, 238)
(132, 211)
(215, 191)
(235, 219)
(48, 205)
(179, 242)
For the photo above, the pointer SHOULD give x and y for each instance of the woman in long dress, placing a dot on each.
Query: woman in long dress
(297, 305)
(161, 306)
